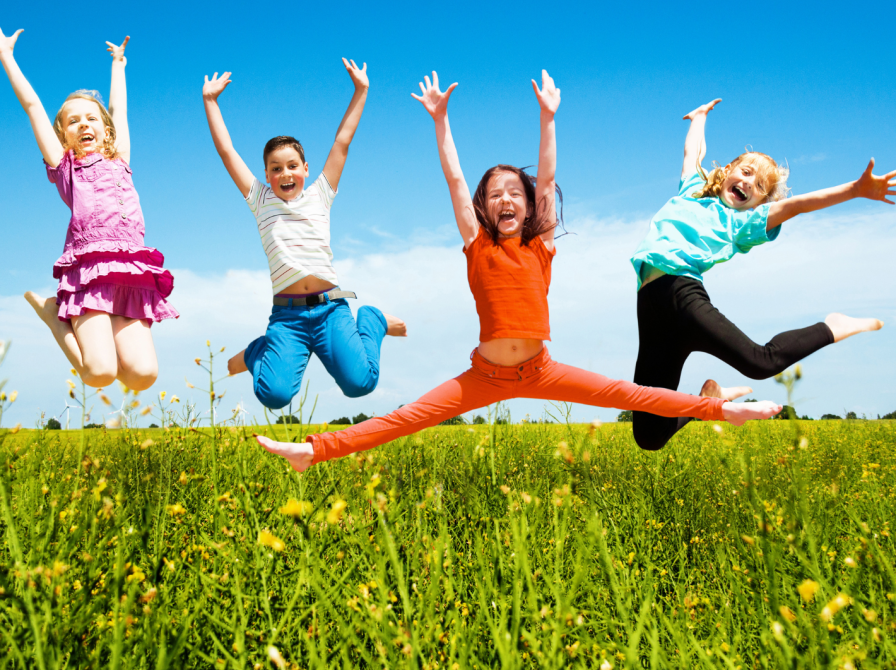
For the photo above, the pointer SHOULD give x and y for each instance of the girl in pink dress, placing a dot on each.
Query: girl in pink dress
(111, 286)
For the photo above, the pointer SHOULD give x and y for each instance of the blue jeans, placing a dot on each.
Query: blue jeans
(349, 351)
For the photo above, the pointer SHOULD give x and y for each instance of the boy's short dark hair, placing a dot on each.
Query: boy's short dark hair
(282, 141)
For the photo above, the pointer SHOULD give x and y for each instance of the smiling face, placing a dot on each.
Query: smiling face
(286, 172)
(507, 203)
(743, 188)
(83, 126)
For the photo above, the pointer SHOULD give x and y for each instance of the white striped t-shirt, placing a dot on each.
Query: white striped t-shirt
(295, 233)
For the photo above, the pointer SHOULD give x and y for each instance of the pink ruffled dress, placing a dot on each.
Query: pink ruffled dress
(104, 265)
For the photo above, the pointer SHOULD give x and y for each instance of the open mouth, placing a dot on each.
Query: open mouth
(87, 138)
(739, 193)
(506, 216)
(288, 188)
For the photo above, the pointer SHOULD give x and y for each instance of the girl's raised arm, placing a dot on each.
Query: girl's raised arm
(436, 103)
(346, 131)
(695, 142)
(50, 146)
(118, 100)
(545, 187)
(869, 186)
(236, 167)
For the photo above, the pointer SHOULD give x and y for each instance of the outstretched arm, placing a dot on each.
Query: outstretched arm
(436, 103)
(118, 100)
(695, 142)
(346, 131)
(545, 187)
(50, 146)
(236, 167)
(869, 186)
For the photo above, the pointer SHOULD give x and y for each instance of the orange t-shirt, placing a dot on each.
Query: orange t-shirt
(510, 284)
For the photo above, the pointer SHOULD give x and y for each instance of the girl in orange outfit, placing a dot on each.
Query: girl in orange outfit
(508, 232)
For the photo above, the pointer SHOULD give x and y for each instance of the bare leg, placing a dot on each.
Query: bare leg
(711, 389)
(738, 413)
(137, 363)
(96, 340)
(395, 326)
(843, 326)
(299, 454)
(237, 364)
(48, 312)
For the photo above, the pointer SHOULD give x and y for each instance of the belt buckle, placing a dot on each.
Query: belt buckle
(312, 300)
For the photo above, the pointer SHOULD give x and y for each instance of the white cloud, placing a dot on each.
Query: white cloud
(818, 265)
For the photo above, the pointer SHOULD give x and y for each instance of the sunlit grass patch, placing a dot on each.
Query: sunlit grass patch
(493, 546)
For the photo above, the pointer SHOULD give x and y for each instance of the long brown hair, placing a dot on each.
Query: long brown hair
(537, 220)
(108, 147)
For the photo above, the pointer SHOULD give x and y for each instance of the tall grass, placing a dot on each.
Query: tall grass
(496, 546)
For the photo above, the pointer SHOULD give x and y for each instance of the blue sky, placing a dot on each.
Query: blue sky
(808, 83)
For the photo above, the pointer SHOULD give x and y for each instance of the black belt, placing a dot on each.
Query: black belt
(311, 300)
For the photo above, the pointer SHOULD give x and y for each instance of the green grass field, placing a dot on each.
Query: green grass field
(495, 546)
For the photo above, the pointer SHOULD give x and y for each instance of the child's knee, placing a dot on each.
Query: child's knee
(273, 396)
(357, 388)
(99, 372)
(647, 438)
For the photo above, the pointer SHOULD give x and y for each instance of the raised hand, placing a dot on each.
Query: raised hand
(702, 110)
(876, 187)
(213, 87)
(358, 74)
(7, 43)
(434, 100)
(549, 95)
(118, 51)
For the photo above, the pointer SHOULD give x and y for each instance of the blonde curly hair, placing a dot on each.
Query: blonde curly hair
(771, 178)
(108, 147)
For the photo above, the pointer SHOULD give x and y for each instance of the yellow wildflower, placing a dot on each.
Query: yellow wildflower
(787, 613)
(807, 590)
(268, 539)
(335, 513)
(296, 508)
(176, 509)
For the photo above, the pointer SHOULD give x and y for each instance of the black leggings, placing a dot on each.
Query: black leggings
(676, 318)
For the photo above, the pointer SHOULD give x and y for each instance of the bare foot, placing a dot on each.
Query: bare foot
(711, 389)
(395, 326)
(844, 326)
(237, 364)
(738, 413)
(299, 455)
(46, 309)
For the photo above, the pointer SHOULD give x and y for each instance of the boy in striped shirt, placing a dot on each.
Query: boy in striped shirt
(310, 313)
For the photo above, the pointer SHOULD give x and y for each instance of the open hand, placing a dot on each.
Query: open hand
(118, 51)
(213, 87)
(434, 100)
(7, 43)
(358, 74)
(702, 109)
(876, 187)
(549, 95)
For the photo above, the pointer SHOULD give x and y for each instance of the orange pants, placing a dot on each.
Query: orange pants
(486, 383)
